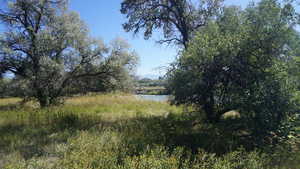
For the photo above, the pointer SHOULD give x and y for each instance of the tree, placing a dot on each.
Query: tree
(124, 61)
(178, 19)
(239, 62)
(121, 60)
(49, 47)
(3, 87)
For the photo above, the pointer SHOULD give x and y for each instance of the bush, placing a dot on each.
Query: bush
(241, 67)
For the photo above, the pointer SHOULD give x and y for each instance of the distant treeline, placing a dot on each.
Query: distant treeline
(151, 86)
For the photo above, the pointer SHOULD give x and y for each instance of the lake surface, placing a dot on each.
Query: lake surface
(157, 98)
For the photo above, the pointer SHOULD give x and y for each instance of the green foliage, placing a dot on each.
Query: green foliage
(178, 19)
(151, 86)
(239, 62)
(50, 50)
(146, 82)
(4, 88)
(105, 132)
(121, 62)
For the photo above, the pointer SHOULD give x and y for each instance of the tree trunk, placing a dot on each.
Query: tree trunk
(43, 97)
(209, 107)
(44, 101)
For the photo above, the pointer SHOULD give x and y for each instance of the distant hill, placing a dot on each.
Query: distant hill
(150, 76)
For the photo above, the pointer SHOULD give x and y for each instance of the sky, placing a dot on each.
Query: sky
(104, 19)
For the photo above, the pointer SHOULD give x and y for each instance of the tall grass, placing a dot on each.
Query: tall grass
(120, 131)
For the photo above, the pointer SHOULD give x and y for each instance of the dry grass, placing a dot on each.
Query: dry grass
(7, 101)
(113, 131)
(27, 132)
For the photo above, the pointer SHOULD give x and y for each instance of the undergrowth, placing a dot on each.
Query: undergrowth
(122, 132)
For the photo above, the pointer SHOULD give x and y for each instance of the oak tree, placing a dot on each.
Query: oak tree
(178, 19)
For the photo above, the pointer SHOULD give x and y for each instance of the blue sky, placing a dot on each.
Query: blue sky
(105, 21)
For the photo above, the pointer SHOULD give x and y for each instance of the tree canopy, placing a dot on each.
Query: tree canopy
(121, 62)
(178, 19)
(50, 47)
(240, 62)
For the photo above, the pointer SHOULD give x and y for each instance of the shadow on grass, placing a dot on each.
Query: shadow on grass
(175, 131)
(171, 132)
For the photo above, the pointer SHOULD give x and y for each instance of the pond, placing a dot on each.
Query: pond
(158, 98)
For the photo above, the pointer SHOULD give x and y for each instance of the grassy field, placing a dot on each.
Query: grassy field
(119, 131)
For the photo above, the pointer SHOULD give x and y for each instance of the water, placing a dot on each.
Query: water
(157, 98)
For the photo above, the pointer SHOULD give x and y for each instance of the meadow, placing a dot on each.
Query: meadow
(118, 131)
